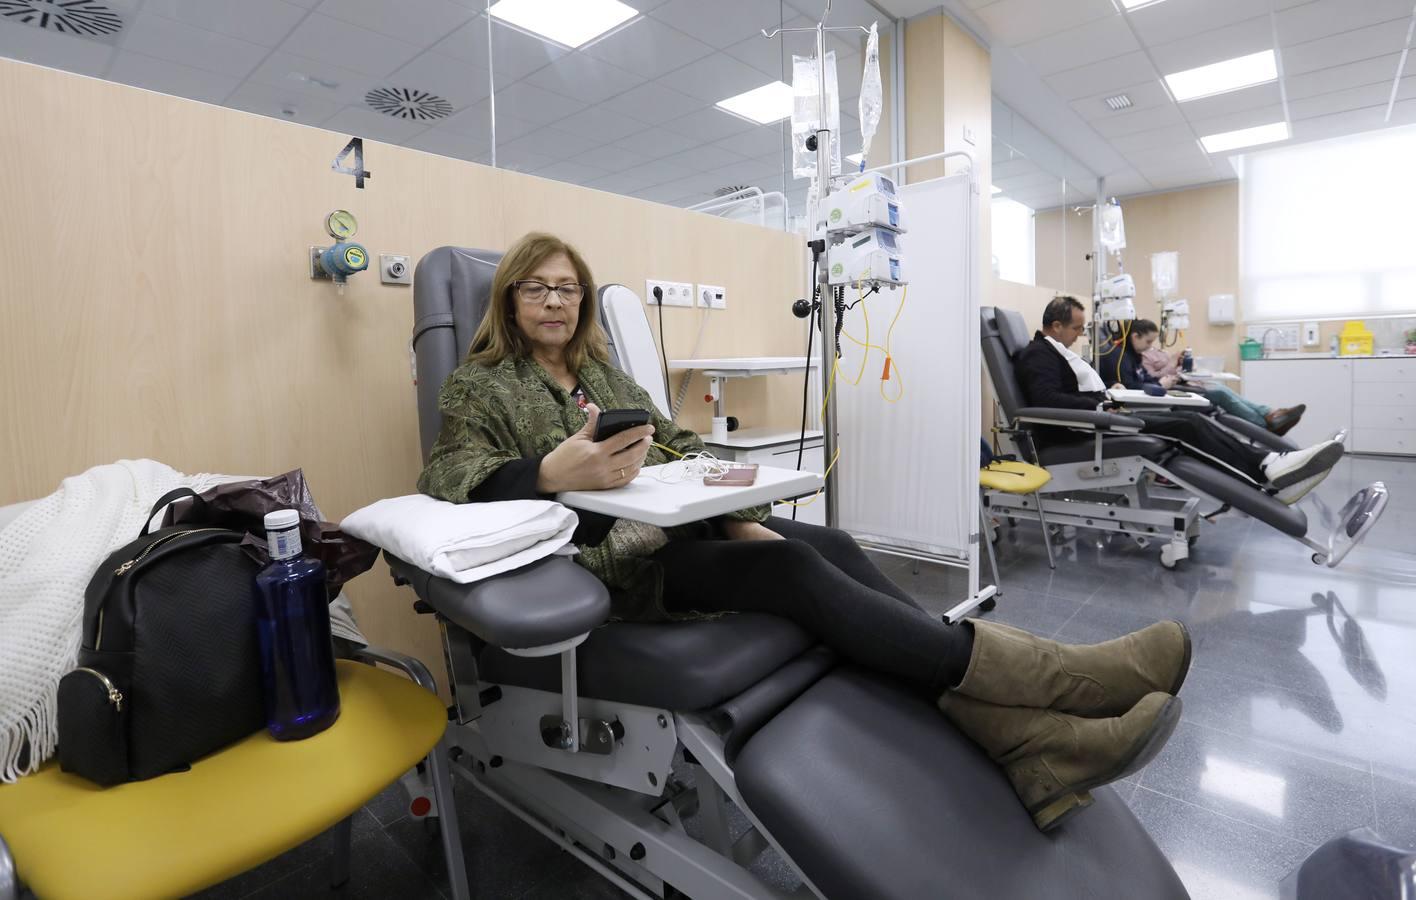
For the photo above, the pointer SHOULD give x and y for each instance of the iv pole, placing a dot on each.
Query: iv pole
(828, 308)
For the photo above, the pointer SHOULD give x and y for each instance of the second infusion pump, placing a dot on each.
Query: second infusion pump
(867, 214)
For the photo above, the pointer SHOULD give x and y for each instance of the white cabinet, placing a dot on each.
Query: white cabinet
(1324, 384)
(1374, 399)
(767, 447)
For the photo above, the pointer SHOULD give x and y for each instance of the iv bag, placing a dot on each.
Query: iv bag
(1113, 228)
(870, 94)
(1165, 272)
(806, 114)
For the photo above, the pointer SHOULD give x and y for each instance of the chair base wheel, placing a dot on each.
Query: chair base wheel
(989, 605)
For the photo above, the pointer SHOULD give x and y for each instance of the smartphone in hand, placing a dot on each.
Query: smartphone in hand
(613, 421)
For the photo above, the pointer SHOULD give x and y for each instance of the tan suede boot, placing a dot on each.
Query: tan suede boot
(1011, 667)
(1054, 760)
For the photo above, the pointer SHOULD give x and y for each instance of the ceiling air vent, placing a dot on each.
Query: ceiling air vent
(1119, 101)
(77, 17)
(407, 103)
(731, 189)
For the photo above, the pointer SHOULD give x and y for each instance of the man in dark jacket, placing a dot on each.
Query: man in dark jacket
(1051, 375)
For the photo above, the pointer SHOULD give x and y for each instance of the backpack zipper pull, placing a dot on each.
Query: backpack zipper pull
(123, 569)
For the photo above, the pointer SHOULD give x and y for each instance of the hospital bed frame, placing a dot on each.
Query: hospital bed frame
(1106, 480)
(629, 744)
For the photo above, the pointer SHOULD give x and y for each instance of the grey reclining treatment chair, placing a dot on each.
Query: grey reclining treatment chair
(1105, 479)
(606, 737)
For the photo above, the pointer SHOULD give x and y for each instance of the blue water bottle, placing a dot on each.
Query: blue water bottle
(297, 654)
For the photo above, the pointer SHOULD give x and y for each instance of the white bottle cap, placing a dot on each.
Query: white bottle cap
(282, 519)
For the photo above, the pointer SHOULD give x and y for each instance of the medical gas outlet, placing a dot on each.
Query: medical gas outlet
(343, 258)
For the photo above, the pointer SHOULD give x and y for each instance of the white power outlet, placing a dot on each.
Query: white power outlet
(1310, 334)
(676, 293)
(712, 296)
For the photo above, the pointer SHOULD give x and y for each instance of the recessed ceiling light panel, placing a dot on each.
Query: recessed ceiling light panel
(769, 103)
(1245, 137)
(1118, 102)
(571, 23)
(1137, 4)
(1221, 77)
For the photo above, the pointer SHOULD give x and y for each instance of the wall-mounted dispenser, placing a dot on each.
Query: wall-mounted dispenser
(343, 258)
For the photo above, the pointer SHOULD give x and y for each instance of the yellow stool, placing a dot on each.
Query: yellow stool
(1015, 478)
(237, 808)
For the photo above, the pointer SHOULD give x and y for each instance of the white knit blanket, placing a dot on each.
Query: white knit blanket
(47, 556)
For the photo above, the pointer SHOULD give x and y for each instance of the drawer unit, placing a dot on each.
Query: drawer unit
(1385, 393)
(1389, 368)
(1383, 440)
(1393, 418)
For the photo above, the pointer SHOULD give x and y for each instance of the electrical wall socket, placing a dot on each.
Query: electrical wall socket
(1310, 334)
(712, 296)
(676, 293)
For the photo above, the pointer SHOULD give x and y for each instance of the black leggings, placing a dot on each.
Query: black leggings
(821, 580)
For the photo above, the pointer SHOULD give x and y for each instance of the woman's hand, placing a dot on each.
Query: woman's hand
(1168, 381)
(581, 464)
(748, 531)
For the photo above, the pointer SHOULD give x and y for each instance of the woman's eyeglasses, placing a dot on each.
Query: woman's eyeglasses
(532, 292)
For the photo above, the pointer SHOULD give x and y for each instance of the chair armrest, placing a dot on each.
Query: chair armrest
(1080, 419)
(411, 666)
(547, 602)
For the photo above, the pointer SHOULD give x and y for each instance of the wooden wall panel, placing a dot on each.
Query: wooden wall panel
(157, 301)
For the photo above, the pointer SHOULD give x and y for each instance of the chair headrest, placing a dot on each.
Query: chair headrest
(1013, 329)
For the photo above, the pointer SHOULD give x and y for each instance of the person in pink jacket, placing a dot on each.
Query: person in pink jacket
(1166, 369)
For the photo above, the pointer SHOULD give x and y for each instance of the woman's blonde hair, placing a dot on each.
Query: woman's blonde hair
(498, 336)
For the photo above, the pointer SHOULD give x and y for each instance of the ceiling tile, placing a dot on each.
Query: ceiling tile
(1239, 39)
(1097, 40)
(721, 23)
(657, 142)
(252, 96)
(768, 57)
(1013, 168)
(648, 48)
(168, 77)
(549, 144)
(1184, 155)
(446, 143)
(652, 103)
(264, 22)
(704, 158)
(1353, 121)
(58, 51)
(1406, 89)
(843, 12)
(1403, 112)
(360, 121)
(1328, 17)
(517, 54)
(1129, 68)
(1015, 22)
(1127, 181)
(1028, 180)
(1347, 47)
(613, 158)
(419, 22)
(601, 125)
(1156, 137)
(1145, 95)
(663, 193)
(1183, 180)
(1232, 101)
(312, 78)
(768, 139)
(163, 38)
(571, 172)
(337, 42)
(1141, 120)
(533, 104)
(714, 78)
(620, 183)
(708, 126)
(1340, 101)
(522, 159)
(460, 83)
(1162, 22)
(660, 171)
(584, 78)
(763, 173)
(1248, 118)
(1337, 78)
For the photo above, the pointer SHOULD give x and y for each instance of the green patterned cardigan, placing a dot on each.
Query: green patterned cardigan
(515, 409)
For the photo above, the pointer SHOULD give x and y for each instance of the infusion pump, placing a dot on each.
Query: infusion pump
(1117, 300)
(867, 202)
(871, 256)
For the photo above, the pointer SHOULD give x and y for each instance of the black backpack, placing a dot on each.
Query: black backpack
(169, 667)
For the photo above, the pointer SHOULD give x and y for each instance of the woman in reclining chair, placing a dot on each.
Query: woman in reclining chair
(1140, 362)
(518, 420)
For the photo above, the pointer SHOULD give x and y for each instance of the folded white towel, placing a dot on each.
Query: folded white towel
(465, 542)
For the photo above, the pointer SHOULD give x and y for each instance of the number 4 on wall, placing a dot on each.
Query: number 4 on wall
(356, 147)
